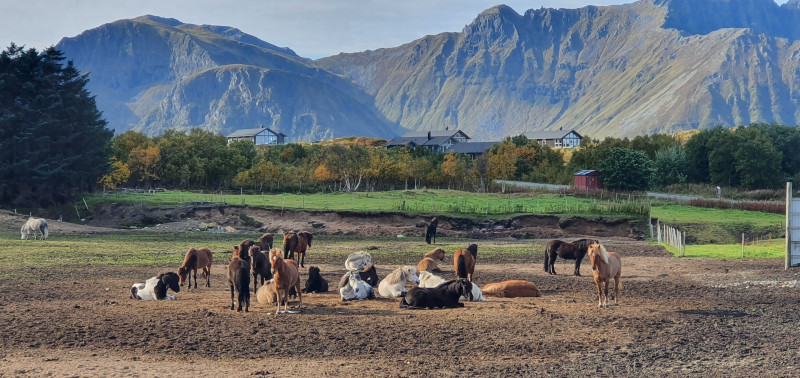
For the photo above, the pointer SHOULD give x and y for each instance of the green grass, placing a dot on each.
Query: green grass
(734, 251)
(718, 226)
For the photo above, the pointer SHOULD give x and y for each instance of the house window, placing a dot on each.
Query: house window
(558, 142)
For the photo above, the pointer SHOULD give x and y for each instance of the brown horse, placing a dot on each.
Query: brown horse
(244, 250)
(196, 259)
(605, 266)
(428, 263)
(511, 289)
(286, 274)
(575, 250)
(260, 266)
(239, 279)
(265, 242)
(297, 242)
(464, 261)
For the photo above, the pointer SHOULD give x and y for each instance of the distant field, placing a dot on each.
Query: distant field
(734, 251)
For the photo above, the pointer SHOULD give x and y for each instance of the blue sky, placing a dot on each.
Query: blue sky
(312, 28)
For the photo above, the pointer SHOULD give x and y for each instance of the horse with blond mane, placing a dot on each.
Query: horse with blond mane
(605, 266)
(286, 274)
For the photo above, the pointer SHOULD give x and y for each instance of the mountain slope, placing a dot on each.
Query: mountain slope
(152, 73)
(649, 66)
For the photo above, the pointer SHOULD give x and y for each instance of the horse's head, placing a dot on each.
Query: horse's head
(438, 254)
(370, 275)
(172, 281)
(276, 259)
(23, 233)
(313, 271)
(597, 253)
(182, 273)
(411, 274)
(254, 250)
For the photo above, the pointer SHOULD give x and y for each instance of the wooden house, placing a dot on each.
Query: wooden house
(588, 180)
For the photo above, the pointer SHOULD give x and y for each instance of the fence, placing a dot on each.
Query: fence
(672, 237)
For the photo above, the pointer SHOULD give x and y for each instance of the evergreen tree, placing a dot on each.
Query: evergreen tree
(627, 169)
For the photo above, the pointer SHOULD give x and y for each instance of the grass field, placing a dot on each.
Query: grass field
(777, 249)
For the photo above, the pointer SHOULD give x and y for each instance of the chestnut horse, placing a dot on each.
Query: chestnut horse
(297, 242)
(239, 279)
(286, 274)
(575, 250)
(196, 259)
(428, 263)
(464, 261)
(605, 266)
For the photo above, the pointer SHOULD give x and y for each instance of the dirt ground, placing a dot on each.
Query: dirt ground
(674, 317)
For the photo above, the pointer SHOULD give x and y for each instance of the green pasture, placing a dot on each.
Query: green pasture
(719, 226)
(777, 249)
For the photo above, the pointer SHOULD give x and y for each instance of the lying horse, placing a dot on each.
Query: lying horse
(315, 283)
(605, 266)
(369, 275)
(575, 250)
(445, 295)
(196, 259)
(428, 263)
(464, 261)
(297, 242)
(266, 294)
(351, 286)
(32, 226)
(259, 266)
(428, 279)
(358, 261)
(156, 287)
(394, 285)
(430, 231)
(286, 274)
(512, 289)
(477, 295)
(239, 280)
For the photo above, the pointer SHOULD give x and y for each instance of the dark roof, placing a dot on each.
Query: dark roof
(252, 132)
(471, 147)
(434, 133)
(548, 134)
(586, 172)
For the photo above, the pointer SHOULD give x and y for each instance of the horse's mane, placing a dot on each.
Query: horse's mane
(190, 259)
(369, 267)
(473, 248)
(603, 253)
(397, 275)
(436, 252)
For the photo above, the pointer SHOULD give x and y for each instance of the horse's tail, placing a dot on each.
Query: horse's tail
(44, 230)
(546, 258)
(461, 271)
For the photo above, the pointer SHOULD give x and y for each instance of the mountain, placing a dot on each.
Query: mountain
(649, 66)
(150, 74)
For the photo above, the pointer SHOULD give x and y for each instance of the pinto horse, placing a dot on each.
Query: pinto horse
(297, 242)
(464, 261)
(286, 274)
(575, 250)
(428, 263)
(605, 266)
(196, 259)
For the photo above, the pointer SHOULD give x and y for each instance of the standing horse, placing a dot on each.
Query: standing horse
(430, 231)
(297, 242)
(605, 266)
(196, 259)
(265, 242)
(286, 274)
(464, 261)
(260, 266)
(428, 263)
(239, 279)
(575, 250)
(244, 250)
(32, 226)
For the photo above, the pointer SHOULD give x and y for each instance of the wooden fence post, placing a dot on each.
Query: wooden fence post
(743, 245)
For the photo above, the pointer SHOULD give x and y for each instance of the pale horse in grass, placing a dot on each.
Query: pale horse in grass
(32, 226)
(394, 285)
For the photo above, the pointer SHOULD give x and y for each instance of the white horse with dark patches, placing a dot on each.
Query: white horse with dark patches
(32, 226)
(394, 285)
(351, 286)
(156, 287)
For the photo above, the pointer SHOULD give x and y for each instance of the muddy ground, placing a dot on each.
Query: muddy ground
(674, 317)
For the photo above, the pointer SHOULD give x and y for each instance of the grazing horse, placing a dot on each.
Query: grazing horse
(315, 283)
(32, 226)
(297, 242)
(430, 231)
(428, 279)
(260, 266)
(244, 250)
(286, 274)
(512, 289)
(394, 285)
(445, 295)
(464, 261)
(196, 259)
(351, 286)
(239, 279)
(265, 242)
(575, 250)
(605, 266)
(358, 261)
(428, 263)
(156, 287)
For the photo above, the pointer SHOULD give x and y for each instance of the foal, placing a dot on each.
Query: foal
(286, 275)
(605, 266)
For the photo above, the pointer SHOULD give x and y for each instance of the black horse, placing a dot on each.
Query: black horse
(315, 283)
(575, 250)
(430, 231)
(445, 295)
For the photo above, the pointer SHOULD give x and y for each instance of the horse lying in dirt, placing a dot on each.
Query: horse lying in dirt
(351, 286)
(511, 289)
(394, 285)
(156, 287)
(358, 261)
(428, 263)
(315, 283)
(445, 295)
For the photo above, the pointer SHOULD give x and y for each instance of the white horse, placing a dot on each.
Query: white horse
(156, 287)
(32, 226)
(477, 295)
(394, 285)
(428, 279)
(358, 261)
(351, 286)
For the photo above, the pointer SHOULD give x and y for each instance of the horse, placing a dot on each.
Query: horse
(239, 280)
(358, 261)
(266, 294)
(369, 275)
(464, 261)
(575, 250)
(286, 274)
(445, 295)
(196, 259)
(244, 250)
(428, 279)
(477, 295)
(265, 242)
(315, 283)
(394, 285)
(32, 226)
(605, 266)
(430, 231)
(156, 287)
(428, 263)
(512, 289)
(297, 242)
(260, 266)
(351, 286)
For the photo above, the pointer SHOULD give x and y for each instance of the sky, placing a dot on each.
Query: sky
(312, 28)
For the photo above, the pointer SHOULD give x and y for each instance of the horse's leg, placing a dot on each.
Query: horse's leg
(231, 296)
(299, 294)
(195, 278)
(578, 266)
(617, 287)
(605, 298)
(255, 282)
(599, 294)
(302, 256)
(278, 295)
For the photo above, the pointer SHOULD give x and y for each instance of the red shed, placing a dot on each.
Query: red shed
(588, 179)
